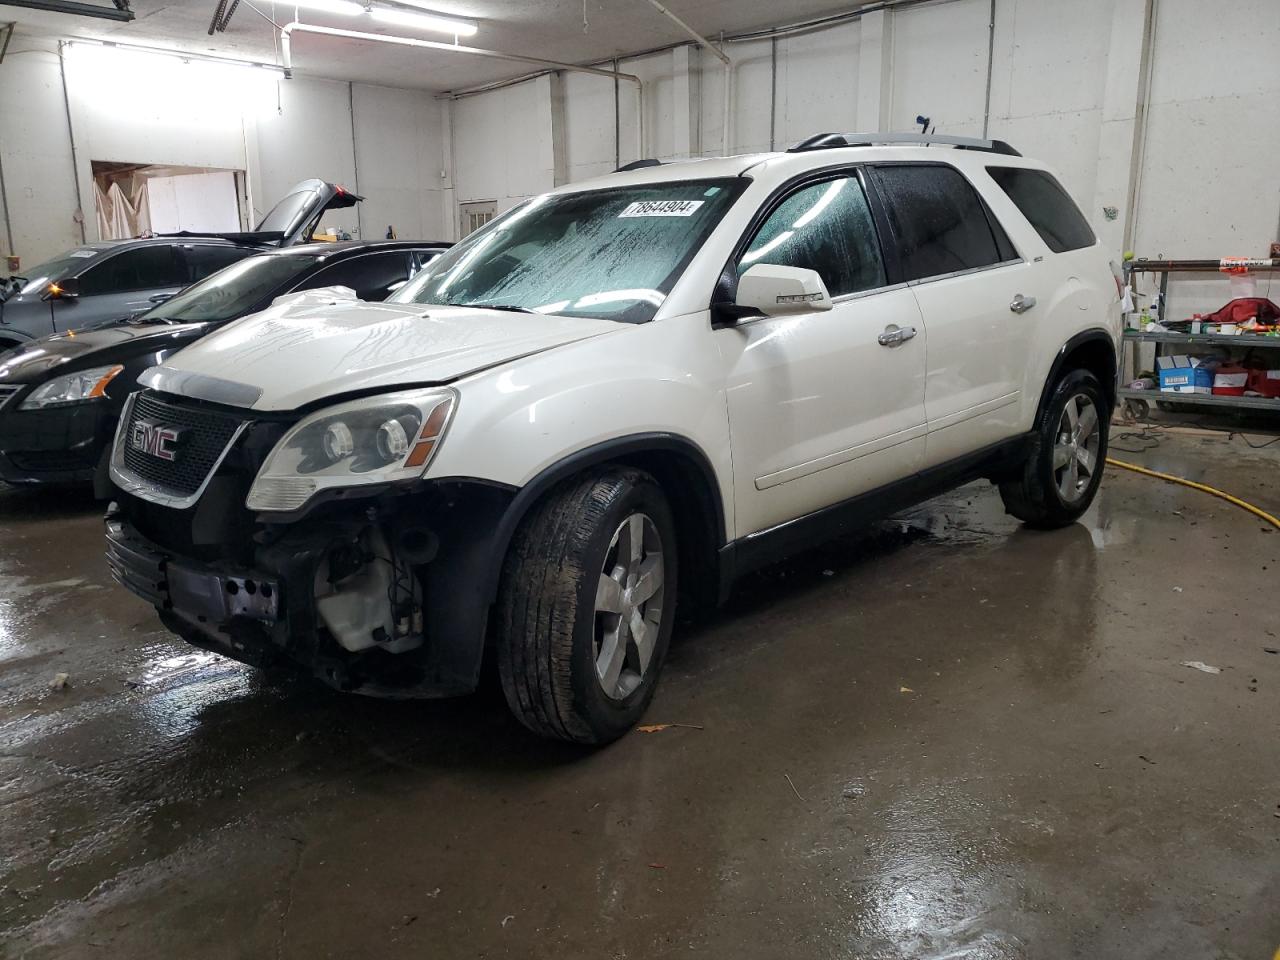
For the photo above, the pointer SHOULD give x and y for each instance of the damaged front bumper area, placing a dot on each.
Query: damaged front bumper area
(387, 597)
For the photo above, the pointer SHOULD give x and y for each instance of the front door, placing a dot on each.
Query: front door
(823, 406)
(123, 285)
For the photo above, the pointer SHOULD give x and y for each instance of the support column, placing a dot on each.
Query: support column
(448, 197)
(555, 123)
(1124, 104)
(686, 110)
(875, 71)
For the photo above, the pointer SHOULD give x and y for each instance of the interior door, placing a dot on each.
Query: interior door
(966, 277)
(820, 409)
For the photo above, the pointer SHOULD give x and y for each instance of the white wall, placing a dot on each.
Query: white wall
(132, 107)
(1065, 88)
(193, 201)
(399, 162)
(502, 144)
(35, 156)
(309, 135)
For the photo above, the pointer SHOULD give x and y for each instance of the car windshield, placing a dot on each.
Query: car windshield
(36, 277)
(232, 291)
(613, 253)
(282, 216)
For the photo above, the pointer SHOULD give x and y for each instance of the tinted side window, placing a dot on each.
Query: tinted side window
(939, 221)
(826, 227)
(143, 268)
(371, 276)
(1047, 206)
(203, 260)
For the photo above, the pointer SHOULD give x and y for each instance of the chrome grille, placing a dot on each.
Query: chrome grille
(206, 437)
(7, 393)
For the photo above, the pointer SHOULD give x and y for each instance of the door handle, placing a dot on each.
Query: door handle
(894, 335)
(1021, 304)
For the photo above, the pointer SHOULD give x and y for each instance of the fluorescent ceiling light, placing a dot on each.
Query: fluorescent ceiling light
(183, 55)
(422, 21)
(345, 8)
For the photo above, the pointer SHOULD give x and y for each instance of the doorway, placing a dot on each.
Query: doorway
(140, 199)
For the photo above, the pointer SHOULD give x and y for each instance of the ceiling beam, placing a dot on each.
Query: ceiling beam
(119, 12)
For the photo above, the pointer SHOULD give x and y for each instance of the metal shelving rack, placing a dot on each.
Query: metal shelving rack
(1164, 268)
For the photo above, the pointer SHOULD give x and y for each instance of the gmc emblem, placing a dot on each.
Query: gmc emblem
(155, 440)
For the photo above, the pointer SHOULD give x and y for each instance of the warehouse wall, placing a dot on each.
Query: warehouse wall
(385, 143)
(35, 157)
(1066, 85)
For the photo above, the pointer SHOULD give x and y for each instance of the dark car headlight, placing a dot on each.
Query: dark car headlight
(79, 387)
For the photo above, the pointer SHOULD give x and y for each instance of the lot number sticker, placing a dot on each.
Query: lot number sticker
(661, 208)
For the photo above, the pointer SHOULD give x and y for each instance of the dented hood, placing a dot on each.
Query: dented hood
(321, 343)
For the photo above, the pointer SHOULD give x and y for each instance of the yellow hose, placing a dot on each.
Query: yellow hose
(1205, 488)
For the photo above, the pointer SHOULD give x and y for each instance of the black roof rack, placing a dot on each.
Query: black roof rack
(827, 141)
(639, 165)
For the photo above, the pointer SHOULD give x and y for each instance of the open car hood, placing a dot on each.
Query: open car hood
(322, 343)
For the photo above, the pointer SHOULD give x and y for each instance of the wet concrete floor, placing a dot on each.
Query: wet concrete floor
(949, 737)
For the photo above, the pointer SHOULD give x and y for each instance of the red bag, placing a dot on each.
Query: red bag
(1246, 308)
(1265, 382)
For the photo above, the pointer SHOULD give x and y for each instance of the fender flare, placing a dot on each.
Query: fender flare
(477, 529)
(618, 448)
(1093, 334)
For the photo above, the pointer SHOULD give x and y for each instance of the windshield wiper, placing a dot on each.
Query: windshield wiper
(509, 307)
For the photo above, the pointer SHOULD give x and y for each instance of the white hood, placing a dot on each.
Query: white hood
(310, 346)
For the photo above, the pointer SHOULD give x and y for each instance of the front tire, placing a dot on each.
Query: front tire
(586, 606)
(1060, 478)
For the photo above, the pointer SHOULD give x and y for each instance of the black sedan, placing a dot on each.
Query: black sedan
(61, 396)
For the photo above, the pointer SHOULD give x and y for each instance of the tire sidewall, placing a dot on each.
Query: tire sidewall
(1073, 384)
(607, 717)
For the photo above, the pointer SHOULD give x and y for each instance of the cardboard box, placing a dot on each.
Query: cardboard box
(1180, 374)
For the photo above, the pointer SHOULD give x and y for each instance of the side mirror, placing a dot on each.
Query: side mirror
(778, 291)
(68, 289)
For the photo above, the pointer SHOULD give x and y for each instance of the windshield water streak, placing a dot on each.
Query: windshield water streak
(612, 254)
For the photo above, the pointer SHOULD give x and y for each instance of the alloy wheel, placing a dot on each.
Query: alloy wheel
(629, 602)
(1075, 451)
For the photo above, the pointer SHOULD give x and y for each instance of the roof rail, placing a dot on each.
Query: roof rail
(827, 141)
(639, 165)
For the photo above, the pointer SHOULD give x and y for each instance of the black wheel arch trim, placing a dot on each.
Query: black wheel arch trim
(1094, 334)
(476, 531)
(604, 452)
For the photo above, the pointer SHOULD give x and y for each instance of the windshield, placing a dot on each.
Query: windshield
(613, 254)
(36, 277)
(232, 291)
(282, 216)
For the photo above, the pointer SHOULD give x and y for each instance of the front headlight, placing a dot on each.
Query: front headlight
(375, 440)
(72, 388)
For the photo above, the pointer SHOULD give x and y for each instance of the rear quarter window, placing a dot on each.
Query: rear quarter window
(1047, 207)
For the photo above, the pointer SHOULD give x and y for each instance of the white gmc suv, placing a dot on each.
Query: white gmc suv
(613, 400)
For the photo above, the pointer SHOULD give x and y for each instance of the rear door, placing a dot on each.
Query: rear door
(201, 260)
(966, 277)
(820, 409)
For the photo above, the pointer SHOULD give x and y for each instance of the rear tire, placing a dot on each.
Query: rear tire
(586, 606)
(1061, 476)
